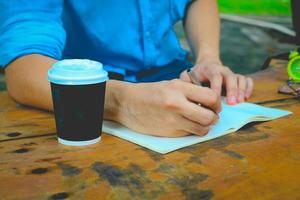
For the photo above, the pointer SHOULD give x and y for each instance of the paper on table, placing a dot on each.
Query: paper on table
(232, 118)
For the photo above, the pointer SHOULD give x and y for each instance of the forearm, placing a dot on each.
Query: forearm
(27, 83)
(26, 80)
(202, 26)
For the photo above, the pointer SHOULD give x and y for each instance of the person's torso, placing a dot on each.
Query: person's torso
(130, 36)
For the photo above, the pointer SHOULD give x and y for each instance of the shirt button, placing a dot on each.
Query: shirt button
(147, 33)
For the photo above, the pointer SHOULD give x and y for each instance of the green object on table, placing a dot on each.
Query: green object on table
(294, 66)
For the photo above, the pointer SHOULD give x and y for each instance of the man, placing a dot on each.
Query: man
(136, 40)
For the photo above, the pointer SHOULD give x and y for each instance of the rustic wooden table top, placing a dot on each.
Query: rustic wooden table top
(261, 161)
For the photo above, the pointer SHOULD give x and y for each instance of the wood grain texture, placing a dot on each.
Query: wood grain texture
(261, 161)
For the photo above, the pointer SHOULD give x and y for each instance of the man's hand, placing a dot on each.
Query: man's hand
(168, 108)
(238, 87)
(202, 26)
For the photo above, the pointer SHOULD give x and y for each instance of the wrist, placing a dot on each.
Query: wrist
(208, 56)
(208, 61)
(114, 99)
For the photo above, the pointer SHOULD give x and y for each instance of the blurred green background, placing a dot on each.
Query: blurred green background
(244, 48)
(256, 7)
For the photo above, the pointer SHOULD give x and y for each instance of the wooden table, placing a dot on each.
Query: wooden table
(261, 161)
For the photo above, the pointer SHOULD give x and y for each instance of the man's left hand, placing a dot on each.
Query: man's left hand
(238, 87)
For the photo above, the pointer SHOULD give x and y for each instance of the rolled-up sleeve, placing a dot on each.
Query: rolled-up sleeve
(30, 27)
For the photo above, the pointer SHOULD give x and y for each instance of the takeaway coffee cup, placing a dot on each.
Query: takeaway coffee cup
(78, 91)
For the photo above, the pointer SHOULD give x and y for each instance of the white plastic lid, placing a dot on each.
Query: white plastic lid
(77, 72)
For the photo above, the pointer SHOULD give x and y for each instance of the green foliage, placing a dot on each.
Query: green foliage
(257, 7)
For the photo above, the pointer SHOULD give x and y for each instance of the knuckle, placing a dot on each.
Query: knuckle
(241, 78)
(208, 119)
(216, 74)
(234, 76)
(226, 69)
(207, 71)
(250, 80)
(203, 131)
(175, 83)
(170, 103)
(214, 97)
(233, 88)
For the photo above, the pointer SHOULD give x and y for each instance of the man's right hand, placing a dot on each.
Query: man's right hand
(167, 108)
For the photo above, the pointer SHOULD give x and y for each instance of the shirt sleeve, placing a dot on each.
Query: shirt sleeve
(178, 9)
(30, 27)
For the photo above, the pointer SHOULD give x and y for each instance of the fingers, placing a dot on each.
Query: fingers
(231, 86)
(238, 87)
(249, 89)
(216, 83)
(198, 114)
(202, 95)
(245, 88)
(193, 128)
(242, 86)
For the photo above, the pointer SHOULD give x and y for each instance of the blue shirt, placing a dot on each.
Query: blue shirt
(134, 38)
